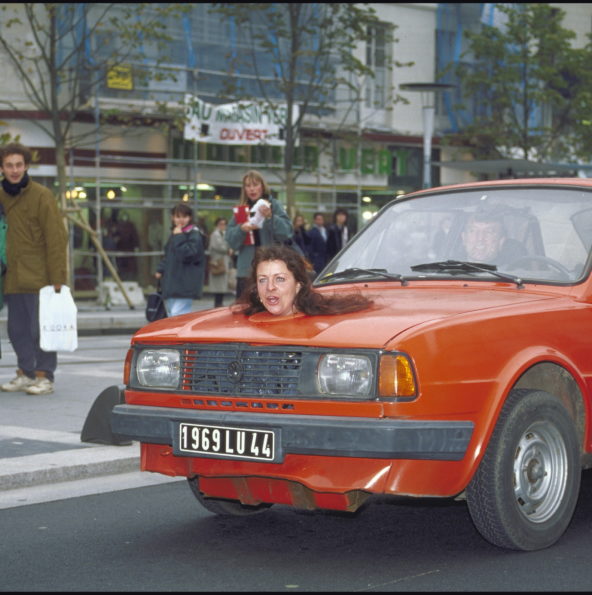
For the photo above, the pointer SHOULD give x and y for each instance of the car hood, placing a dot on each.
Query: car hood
(394, 311)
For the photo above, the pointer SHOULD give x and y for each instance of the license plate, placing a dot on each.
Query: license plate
(227, 442)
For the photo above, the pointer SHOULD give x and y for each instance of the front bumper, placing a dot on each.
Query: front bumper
(307, 434)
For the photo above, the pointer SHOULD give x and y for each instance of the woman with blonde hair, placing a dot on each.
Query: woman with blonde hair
(244, 237)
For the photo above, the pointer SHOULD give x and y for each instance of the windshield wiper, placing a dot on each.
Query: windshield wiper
(358, 272)
(463, 266)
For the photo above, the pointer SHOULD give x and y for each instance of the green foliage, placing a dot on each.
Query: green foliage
(530, 85)
(6, 137)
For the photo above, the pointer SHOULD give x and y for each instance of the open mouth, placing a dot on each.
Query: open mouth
(272, 300)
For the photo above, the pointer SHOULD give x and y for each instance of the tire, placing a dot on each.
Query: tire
(224, 507)
(525, 490)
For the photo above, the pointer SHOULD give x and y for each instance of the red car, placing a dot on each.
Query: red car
(469, 376)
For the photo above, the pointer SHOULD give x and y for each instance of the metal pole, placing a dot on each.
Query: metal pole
(98, 224)
(428, 130)
(428, 96)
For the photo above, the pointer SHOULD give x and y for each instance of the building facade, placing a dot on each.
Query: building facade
(126, 182)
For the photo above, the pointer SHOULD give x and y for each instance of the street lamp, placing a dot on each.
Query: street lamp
(428, 94)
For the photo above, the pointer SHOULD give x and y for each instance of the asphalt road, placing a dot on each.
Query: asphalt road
(158, 538)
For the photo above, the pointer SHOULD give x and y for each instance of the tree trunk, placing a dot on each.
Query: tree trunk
(61, 176)
(290, 191)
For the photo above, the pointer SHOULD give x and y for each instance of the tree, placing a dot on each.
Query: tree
(62, 53)
(528, 85)
(59, 59)
(300, 54)
(6, 137)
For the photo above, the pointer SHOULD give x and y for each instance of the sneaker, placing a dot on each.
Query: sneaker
(20, 382)
(40, 386)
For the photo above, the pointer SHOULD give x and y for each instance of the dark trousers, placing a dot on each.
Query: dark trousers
(23, 332)
(240, 285)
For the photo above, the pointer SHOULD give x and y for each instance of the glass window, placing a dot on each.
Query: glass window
(377, 58)
(541, 234)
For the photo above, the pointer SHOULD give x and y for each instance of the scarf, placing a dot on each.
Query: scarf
(14, 189)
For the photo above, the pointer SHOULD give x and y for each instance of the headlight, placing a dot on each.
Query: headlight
(158, 368)
(345, 375)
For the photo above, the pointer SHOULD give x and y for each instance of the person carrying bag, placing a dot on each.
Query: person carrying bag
(36, 256)
(58, 330)
(155, 308)
(182, 269)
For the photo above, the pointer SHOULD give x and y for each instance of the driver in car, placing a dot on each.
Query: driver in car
(484, 239)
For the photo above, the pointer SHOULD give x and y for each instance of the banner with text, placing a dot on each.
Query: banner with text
(240, 123)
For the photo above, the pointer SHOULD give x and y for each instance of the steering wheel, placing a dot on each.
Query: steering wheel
(550, 263)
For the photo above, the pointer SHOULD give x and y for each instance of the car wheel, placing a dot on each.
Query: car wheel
(224, 507)
(525, 490)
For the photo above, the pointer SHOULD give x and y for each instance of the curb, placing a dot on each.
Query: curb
(68, 465)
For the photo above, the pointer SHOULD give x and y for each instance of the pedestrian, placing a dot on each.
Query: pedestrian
(300, 236)
(36, 252)
(181, 271)
(318, 243)
(338, 233)
(279, 283)
(220, 253)
(109, 245)
(242, 237)
(126, 240)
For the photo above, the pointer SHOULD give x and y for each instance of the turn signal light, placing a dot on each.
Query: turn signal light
(127, 366)
(396, 377)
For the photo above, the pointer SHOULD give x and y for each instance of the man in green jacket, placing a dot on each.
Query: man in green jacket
(36, 254)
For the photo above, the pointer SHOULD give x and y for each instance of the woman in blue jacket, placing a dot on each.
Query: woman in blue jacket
(243, 237)
(181, 271)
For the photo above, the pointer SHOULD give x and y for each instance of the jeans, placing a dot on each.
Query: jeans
(176, 306)
(23, 332)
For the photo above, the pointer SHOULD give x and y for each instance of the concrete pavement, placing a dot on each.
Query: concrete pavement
(40, 437)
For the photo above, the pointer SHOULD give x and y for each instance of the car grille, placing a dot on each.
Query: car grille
(241, 372)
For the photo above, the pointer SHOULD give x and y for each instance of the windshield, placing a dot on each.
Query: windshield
(532, 234)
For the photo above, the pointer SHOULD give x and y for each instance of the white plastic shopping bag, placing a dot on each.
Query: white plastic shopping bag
(57, 319)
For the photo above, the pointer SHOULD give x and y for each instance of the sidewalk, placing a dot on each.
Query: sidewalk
(31, 457)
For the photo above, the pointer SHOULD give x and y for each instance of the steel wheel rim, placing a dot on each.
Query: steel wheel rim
(540, 472)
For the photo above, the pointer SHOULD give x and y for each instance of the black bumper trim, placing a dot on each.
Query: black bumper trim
(309, 434)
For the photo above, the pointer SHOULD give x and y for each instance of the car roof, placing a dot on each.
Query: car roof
(549, 182)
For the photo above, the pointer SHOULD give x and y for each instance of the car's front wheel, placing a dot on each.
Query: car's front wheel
(224, 507)
(525, 490)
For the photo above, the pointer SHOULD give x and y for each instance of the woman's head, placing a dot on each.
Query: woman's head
(182, 210)
(298, 221)
(182, 214)
(294, 291)
(254, 187)
(279, 281)
(277, 287)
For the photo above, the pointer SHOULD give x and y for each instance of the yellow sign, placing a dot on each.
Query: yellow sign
(120, 77)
